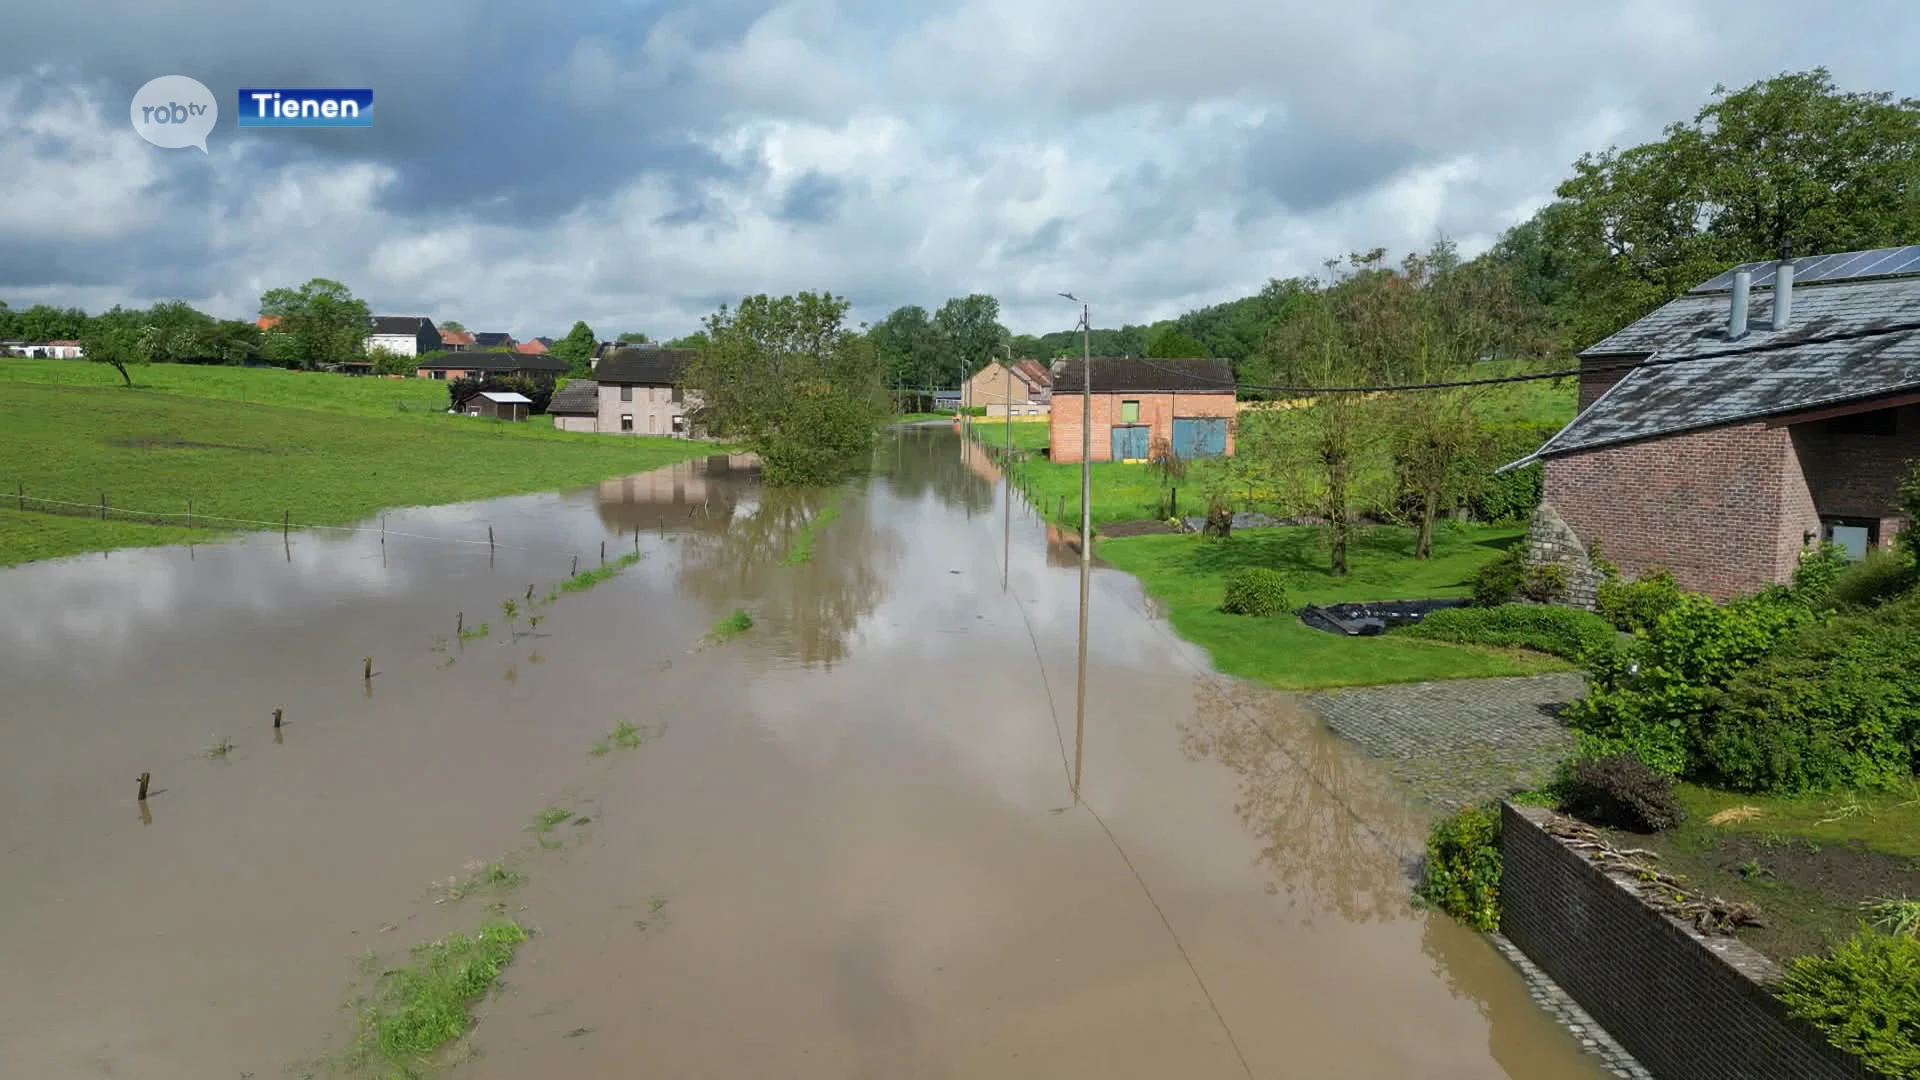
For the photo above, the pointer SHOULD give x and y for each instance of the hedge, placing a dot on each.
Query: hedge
(1561, 631)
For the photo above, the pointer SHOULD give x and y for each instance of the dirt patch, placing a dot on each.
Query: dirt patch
(1809, 893)
(182, 444)
(1135, 528)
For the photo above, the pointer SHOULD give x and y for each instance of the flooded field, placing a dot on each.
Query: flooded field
(838, 844)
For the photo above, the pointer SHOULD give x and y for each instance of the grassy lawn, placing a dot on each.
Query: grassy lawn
(1188, 574)
(917, 417)
(1808, 862)
(337, 458)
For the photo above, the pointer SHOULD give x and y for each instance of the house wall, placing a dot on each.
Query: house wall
(1157, 411)
(575, 423)
(1859, 475)
(989, 389)
(1595, 380)
(653, 410)
(1724, 509)
(399, 344)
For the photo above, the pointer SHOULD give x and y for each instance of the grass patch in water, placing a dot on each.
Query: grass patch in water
(625, 736)
(473, 632)
(420, 1008)
(220, 748)
(801, 552)
(495, 875)
(587, 579)
(544, 822)
(731, 626)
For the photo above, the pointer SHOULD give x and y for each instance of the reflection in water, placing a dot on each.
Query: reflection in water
(1320, 857)
(691, 496)
(919, 461)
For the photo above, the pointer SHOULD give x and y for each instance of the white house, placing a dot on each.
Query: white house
(406, 335)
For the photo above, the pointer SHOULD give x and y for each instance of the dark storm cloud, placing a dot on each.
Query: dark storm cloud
(813, 199)
(1305, 166)
(160, 264)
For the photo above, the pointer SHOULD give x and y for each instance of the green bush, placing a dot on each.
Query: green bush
(1837, 705)
(1650, 697)
(1814, 577)
(1255, 590)
(1511, 496)
(1874, 580)
(1561, 631)
(1865, 996)
(1543, 583)
(1620, 791)
(1498, 582)
(1462, 875)
(1636, 605)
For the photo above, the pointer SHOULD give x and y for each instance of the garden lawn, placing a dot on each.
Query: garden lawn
(1189, 573)
(152, 451)
(1809, 862)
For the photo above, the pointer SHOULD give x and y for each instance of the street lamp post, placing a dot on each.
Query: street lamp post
(1086, 533)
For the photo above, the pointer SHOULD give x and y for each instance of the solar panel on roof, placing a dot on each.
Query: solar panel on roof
(1840, 266)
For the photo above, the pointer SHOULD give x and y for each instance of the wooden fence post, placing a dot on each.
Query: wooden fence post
(489, 538)
(286, 523)
(103, 506)
(20, 492)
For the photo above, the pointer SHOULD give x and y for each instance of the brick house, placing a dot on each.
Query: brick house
(639, 393)
(1140, 404)
(1024, 387)
(1769, 409)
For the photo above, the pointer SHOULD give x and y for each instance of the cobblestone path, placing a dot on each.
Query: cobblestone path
(1459, 741)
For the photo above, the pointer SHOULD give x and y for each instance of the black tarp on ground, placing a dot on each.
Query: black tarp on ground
(1367, 619)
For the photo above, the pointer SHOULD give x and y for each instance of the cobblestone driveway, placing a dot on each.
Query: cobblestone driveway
(1459, 741)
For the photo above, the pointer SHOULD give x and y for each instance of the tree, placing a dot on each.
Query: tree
(535, 388)
(633, 337)
(319, 323)
(1788, 163)
(1168, 343)
(454, 325)
(908, 347)
(44, 322)
(789, 380)
(969, 333)
(695, 340)
(577, 349)
(114, 338)
(172, 332)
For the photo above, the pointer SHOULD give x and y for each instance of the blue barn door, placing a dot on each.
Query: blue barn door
(1130, 443)
(1200, 437)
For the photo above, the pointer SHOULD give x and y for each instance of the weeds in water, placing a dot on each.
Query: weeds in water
(544, 822)
(474, 632)
(625, 736)
(581, 582)
(737, 623)
(656, 914)
(510, 611)
(220, 748)
(424, 1006)
(533, 623)
(448, 662)
(512, 675)
(1897, 916)
(536, 658)
(479, 875)
(801, 552)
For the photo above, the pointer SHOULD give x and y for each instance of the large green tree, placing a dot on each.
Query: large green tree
(970, 335)
(318, 323)
(908, 347)
(1788, 164)
(577, 349)
(1167, 342)
(787, 378)
(114, 338)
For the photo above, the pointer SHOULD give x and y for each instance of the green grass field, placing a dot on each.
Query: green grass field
(332, 449)
(1189, 574)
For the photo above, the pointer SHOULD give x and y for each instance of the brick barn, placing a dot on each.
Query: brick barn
(1768, 409)
(1142, 404)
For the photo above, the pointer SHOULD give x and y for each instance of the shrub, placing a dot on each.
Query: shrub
(1620, 791)
(1636, 605)
(1865, 996)
(1508, 497)
(1499, 581)
(1816, 573)
(1837, 705)
(1463, 867)
(1255, 590)
(1874, 580)
(1557, 630)
(1650, 697)
(1543, 583)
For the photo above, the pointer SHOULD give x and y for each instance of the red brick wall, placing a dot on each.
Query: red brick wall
(1156, 410)
(1711, 506)
(1595, 380)
(1858, 475)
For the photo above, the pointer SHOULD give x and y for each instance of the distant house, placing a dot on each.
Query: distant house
(496, 405)
(1768, 409)
(66, 350)
(576, 406)
(546, 341)
(640, 393)
(455, 341)
(267, 322)
(1022, 389)
(404, 335)
(461, 365)
(1141, 405)
(493, 341)
(44, 350)
(531, 348)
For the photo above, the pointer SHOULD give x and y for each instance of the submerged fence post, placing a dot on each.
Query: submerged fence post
(20, 492)
(529, 592)
(276, 719)
(286, 523)
(603, 553)
(144, 778)
(459, 623)
(576, 567)
(367, 671)
(489, 538)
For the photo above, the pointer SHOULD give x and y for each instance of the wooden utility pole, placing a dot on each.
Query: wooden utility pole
(1086, 534)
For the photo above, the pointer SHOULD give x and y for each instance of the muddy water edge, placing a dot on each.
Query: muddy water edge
(840, 843)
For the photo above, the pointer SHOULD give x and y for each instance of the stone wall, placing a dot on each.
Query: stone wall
(1550, 540)
(1687, 1006)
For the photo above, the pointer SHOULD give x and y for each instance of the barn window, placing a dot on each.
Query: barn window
(1129, 412)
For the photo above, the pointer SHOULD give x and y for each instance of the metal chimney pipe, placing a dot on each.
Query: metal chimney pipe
(1782, 294)
(1742, 295)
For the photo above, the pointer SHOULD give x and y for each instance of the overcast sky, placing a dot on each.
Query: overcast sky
(635, 163)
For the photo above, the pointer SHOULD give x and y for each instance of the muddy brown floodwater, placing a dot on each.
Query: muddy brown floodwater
(848, 850)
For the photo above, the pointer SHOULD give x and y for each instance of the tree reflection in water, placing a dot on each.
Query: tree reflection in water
(1336, 844)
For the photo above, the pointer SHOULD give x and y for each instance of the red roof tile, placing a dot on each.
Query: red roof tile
(530, 347)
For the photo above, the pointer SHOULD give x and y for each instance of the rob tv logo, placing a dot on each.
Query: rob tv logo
(306, 108)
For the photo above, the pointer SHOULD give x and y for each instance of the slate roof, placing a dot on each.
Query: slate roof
(1847, 341)
(400, 325)
(580, 397)
(1137, 375)
(490, 340)
(547, 364)
(635, 366)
